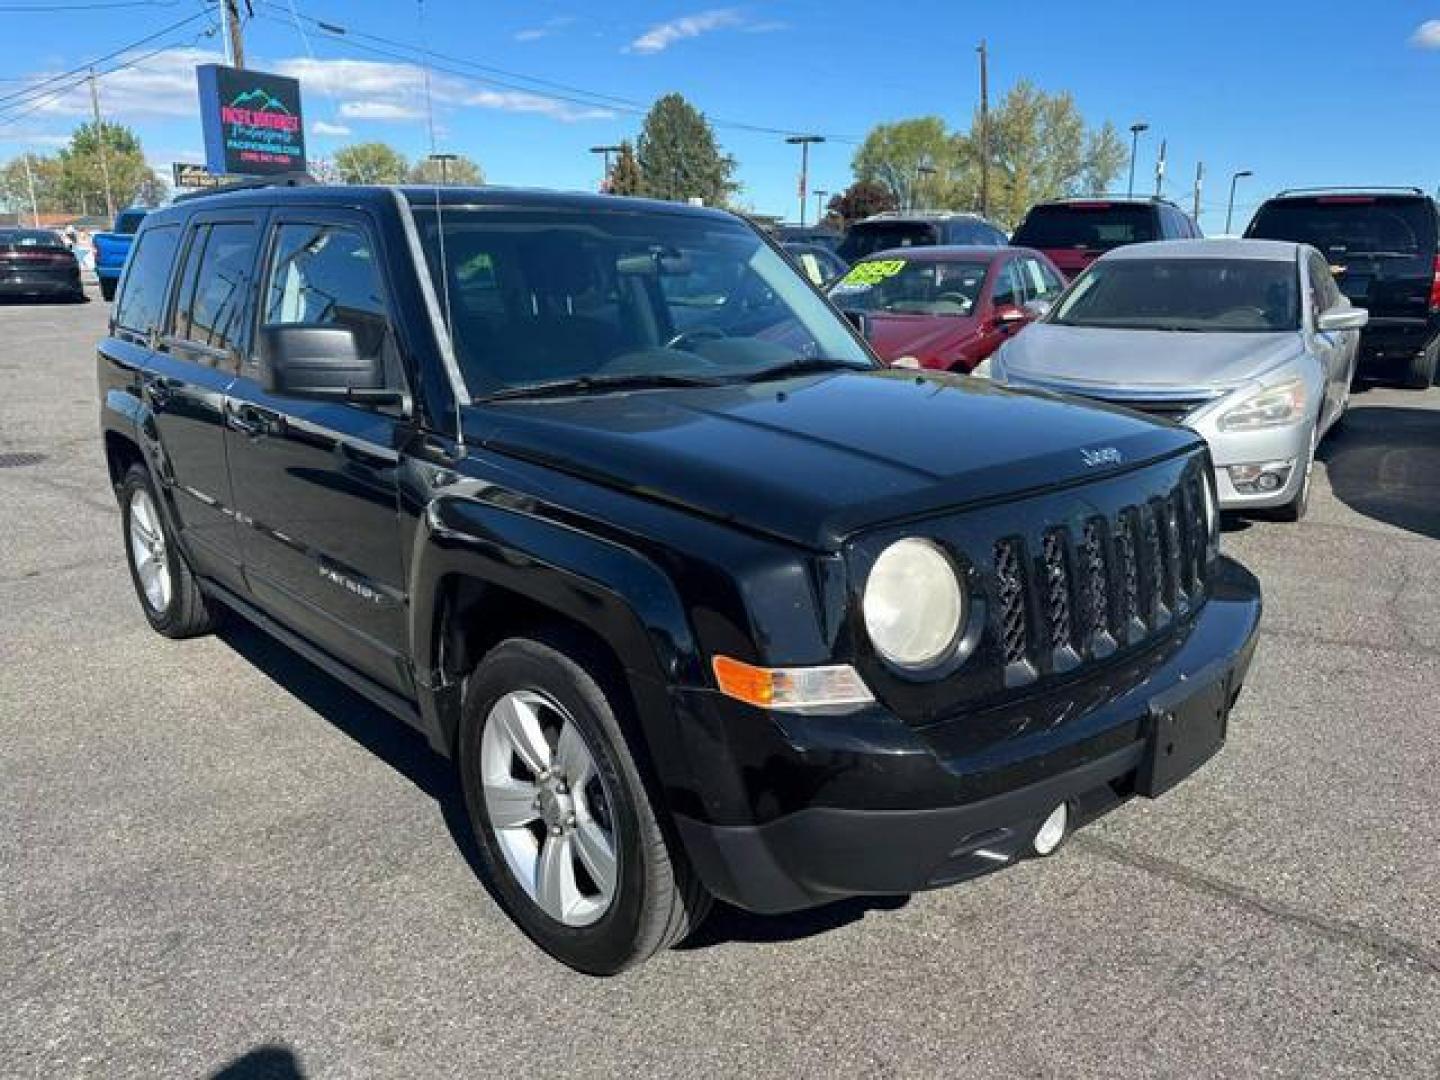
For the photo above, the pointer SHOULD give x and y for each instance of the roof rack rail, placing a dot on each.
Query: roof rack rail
(1358, 189)
(1117, 196)
(921, 211)
(288, 179)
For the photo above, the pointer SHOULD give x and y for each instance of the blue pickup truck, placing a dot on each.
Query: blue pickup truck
(113, 247)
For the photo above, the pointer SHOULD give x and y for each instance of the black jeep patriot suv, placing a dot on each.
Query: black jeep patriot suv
(606, 500)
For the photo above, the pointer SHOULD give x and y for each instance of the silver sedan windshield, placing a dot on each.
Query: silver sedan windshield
(1202, 295)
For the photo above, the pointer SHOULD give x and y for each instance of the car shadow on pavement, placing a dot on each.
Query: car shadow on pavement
(262, 1063)
(408, 753)
(1385, 463)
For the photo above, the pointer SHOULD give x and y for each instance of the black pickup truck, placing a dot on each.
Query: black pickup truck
(605, 499)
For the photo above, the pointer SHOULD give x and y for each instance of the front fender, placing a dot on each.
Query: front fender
(613, 591)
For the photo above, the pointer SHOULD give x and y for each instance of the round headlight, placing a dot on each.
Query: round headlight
(914, 606)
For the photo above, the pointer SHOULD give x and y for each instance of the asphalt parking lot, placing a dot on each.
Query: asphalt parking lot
(215, 857)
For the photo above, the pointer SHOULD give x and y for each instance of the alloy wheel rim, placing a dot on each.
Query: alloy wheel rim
(549, 807)
(149, 552)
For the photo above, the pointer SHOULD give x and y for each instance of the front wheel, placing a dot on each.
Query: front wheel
(1297, 507)
(567, 831)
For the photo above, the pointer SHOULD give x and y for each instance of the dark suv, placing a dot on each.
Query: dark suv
(917, 228)
(1076, 232)
(1384, 250)
(606, 500)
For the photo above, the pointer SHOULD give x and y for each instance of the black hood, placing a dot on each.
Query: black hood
(815, 458)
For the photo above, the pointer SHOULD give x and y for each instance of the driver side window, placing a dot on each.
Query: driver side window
(1007, 289)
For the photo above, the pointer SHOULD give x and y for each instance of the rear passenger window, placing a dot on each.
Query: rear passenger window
(327, 275)
(211, 309)
(142, 301)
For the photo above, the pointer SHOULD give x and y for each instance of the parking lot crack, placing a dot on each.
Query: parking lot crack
(1378, 942)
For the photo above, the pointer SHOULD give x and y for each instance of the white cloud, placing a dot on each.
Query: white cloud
(521, 102)
(164, 86)
(322, 127)
(662, 35)
(545, 29)
(1427, 35)
(380, 110)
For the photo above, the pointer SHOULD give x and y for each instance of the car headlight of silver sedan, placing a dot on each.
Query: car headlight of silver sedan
(1266, 407)
(914, 604)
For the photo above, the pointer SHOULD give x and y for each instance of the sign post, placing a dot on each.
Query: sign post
(252, 121)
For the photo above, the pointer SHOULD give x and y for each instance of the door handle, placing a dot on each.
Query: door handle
(254, 422)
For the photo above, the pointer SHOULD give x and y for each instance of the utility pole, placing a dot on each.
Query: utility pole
(1199, 183)
(233, 32)
(984, 52)
(30, 180)
(804, 141)
(100, 143)
(819, 204)
(1135, 130)
(607, 151)
(1160, 169)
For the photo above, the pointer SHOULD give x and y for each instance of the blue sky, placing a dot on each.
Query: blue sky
(1302, 93)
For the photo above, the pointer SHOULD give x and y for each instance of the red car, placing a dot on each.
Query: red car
(1076, 232)
(946, 307)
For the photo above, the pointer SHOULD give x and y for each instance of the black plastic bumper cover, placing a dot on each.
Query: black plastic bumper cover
(822, 853)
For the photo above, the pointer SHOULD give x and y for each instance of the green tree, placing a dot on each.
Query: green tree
(370, 163)
(15, 185)
(679, 157)
(462, 172)
(859, 201)
(83, 167)
(625, 176)
(917, 161)
(1040, 149)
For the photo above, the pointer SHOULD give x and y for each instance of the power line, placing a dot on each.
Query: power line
(97, 61)
(557, 91)
(102, 6)
(35, 106)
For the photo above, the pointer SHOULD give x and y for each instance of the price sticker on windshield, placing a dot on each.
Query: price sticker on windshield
(872, 273)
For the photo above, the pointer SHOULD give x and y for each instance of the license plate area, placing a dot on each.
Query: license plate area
(1187, 727)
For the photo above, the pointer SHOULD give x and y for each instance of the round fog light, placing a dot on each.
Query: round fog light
(1269, 482)
(1048, 838)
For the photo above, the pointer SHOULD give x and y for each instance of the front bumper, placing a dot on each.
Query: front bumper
(842, 812)
(1266, 446)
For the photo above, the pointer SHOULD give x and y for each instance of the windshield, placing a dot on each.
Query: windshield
(1214, 295)
(1350, 224)
(912, 286)
(867, 238)
(1097, 226)
(544, 296)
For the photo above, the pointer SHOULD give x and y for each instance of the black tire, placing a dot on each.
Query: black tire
(107, 288)
(1299, 506)
(658, 900)
(1420, 375)
(185, 613)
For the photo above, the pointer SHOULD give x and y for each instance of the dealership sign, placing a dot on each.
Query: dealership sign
(198, 176)
(251, 120)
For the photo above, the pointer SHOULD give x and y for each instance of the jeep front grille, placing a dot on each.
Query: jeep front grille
(1112, 582)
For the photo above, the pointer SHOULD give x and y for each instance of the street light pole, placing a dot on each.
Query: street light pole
(1230, 210)
(30, 180)
(1199, 183)
(607, 151)
(100, 145)
(923, 170)
(804, 141)
(444, 160)
(820, 196)
(1135, 130)
(984, 52)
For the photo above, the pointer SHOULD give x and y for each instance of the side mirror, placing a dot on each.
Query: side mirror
(1342, 317)
(321, 362)
(859, 320)
(1037, 309)
(1009, 315)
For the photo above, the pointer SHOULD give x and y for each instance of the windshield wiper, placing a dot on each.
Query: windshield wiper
(803, 366)
(599, 384)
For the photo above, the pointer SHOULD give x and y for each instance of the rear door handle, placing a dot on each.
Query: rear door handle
(254, 421)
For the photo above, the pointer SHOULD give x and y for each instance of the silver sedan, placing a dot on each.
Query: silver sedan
(1248, 342)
